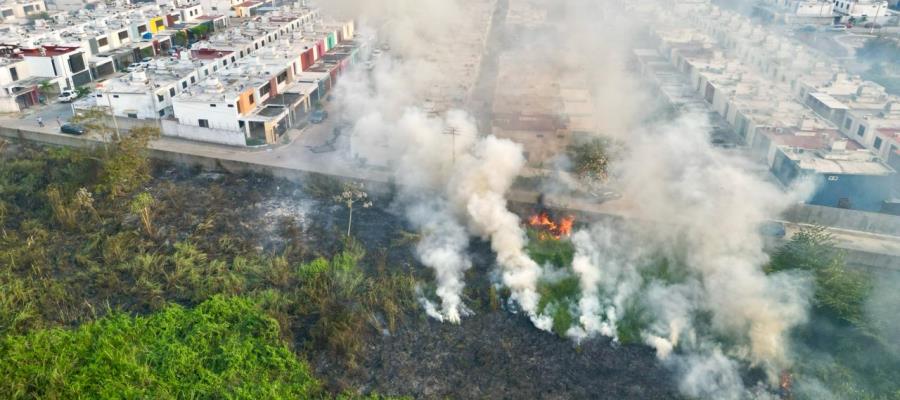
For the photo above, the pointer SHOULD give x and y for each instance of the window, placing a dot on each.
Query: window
(123, 35)
(132, 115)
(162, 113)
(142, 28)
(115, 96)
(861, 131)
(171, 91)
(265, 89)
(160, 97)
(203, 123)
(848, 123)
(232, 58)
(878, 143)
(76, 62)
(102, 41)
(184, 84)
(14, 74)
(212, 105)
(231, 106)
(282, 77)
(193, 80)
(159, 23)
(251, 99)
(224, 62)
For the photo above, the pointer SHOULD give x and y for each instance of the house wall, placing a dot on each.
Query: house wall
(21, 68)
(220, 117)
(864, 192)
(220, 136)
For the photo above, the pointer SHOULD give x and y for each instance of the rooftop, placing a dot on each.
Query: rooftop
(48, 51)
(859, 162)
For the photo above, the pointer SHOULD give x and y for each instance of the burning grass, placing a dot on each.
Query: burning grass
(549, 246)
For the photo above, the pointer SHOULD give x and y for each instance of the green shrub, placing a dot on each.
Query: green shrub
(225, 348)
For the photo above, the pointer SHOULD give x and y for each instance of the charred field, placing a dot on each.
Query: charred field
(493, 353)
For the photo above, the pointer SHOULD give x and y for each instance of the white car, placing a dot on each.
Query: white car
(67, 96)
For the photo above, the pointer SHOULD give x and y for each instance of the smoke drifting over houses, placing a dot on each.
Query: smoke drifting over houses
(691, 206)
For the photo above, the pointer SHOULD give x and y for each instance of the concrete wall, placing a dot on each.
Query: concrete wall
(231, 138)
(845, 219)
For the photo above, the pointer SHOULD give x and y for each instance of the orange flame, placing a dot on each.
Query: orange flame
(550, 228)
(787, 381)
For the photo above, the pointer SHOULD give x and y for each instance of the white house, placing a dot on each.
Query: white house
(861, 8)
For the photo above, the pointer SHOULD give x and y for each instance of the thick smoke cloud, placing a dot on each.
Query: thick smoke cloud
(445, 183)
(689, 204)
(700, 210)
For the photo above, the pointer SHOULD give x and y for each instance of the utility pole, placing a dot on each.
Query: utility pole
(453, 133)
(113, 115)
(875, 19)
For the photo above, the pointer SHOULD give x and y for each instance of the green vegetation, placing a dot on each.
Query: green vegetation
(181, 38)
(82, 91)
(544, 250)
(840, 292)
(224, 348)
(843, 347)
(85, 232)
(591, 159)
(558, 299)
(559, 296)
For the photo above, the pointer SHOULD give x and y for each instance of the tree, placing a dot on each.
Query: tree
(181, 38)
(591, 160)
(46, 87)
(82, 91)
(94, 122)
(128, 166)
(142, 206)
(353, 193)
(839, 291)
(200, 30)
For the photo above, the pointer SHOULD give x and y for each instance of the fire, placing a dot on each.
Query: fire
(787, 381)
(550, 228)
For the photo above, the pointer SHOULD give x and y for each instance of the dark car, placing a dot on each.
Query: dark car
(318, 116)
(72, 129)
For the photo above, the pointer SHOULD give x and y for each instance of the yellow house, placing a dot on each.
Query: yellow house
(157, 24)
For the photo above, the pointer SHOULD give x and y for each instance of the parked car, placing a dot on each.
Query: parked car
(67, 96)
(318, 116)
(72, 129)
(872, 25)
(837, 28)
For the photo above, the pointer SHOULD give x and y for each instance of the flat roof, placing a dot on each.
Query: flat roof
(209, 54)
(829, 101)
(845, 167)
(49, 51)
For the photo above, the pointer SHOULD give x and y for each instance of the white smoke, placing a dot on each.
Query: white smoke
(699, 210)
(443, 247)
(448, 177)
(697, 207)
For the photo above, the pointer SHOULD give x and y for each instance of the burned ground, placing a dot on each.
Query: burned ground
(499, 355)
(492, 354)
